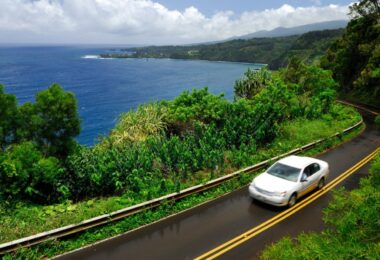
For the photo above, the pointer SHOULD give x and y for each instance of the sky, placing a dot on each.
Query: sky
(154, 21)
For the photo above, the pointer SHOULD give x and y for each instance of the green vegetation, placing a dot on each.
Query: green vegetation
(252, 83)
(26, 173)
(352, 217)
(8, 127)
(147, 120)
(48, 181)
(50, 123)
(196, 132)
(24, 219)
(377, 121)
(57, 121)
(35, 141)
(186, 141)
(353, 220)
(276, 52)
(355, 57)
(156, 149)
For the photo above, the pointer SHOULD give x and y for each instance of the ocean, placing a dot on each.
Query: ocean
(105, 88)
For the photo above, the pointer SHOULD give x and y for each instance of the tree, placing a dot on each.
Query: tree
(252, 83)
(8, 115)
(310, 79)
(294, 71)
(26, 122)
(315, 87)
(365, 8)
(354, 59)
(57, 121)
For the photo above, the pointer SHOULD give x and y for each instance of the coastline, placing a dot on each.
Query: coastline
(99, 56)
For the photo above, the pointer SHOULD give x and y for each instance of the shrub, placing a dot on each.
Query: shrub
(197, 105)
(147, 120)
(377, 121)
(26, 174)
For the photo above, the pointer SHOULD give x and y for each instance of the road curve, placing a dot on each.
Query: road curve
(190, 234)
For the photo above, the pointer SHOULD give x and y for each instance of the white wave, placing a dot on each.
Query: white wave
(91, 57)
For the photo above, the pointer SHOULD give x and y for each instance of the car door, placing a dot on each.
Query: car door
(312, 177)
(305, 181)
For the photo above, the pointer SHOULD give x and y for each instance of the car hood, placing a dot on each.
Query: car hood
(272, 183)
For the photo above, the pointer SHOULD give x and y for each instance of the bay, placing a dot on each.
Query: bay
(107, 87)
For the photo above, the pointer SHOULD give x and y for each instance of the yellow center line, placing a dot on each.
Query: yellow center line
(212, 254)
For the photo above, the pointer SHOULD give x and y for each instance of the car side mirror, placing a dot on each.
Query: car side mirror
(303, 178)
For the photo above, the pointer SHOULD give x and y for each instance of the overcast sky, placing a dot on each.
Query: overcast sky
(154, 21)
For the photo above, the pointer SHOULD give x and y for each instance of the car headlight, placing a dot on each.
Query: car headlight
(280, 194)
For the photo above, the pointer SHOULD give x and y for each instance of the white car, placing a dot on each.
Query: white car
(289, 179)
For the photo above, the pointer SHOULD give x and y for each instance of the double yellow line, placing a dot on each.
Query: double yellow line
(220, 250)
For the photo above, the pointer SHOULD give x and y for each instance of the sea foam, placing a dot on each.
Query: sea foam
(91, 57)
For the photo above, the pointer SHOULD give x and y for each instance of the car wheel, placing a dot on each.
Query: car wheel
(292, 200)
(321, 183)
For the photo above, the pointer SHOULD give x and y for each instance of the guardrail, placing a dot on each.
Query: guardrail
(123, 213)
(359, 107)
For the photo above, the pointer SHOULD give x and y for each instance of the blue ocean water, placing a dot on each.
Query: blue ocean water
(107, 87)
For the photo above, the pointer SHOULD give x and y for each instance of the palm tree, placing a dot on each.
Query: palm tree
(252, 83)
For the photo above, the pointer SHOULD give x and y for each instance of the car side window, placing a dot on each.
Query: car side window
(316, 167)
(308, 170)
(311, 169)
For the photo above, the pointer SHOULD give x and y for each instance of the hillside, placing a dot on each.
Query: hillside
(275, 52)
(355, 60)
(285, 31)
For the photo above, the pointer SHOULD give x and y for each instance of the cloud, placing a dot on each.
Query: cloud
(142, 21)
(34, 16)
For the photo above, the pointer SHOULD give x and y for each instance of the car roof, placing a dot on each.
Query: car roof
(298, 161)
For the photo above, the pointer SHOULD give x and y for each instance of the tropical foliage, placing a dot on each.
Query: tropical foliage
(377, 121)
(8, 110)
(165, 143)
(57, 121)
(50, 123)
(26, 174)
(35, 141)
(147, 120)
(355, 58)
(352, 217)
(200, 129)
(252, 83)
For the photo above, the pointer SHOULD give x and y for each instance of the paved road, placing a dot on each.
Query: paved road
(190, 234)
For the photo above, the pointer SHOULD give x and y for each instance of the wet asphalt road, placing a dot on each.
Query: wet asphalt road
(195, 232)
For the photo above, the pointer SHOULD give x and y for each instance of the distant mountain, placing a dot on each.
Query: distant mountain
(282, 31)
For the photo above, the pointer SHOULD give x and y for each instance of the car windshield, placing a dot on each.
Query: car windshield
(284, 171)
